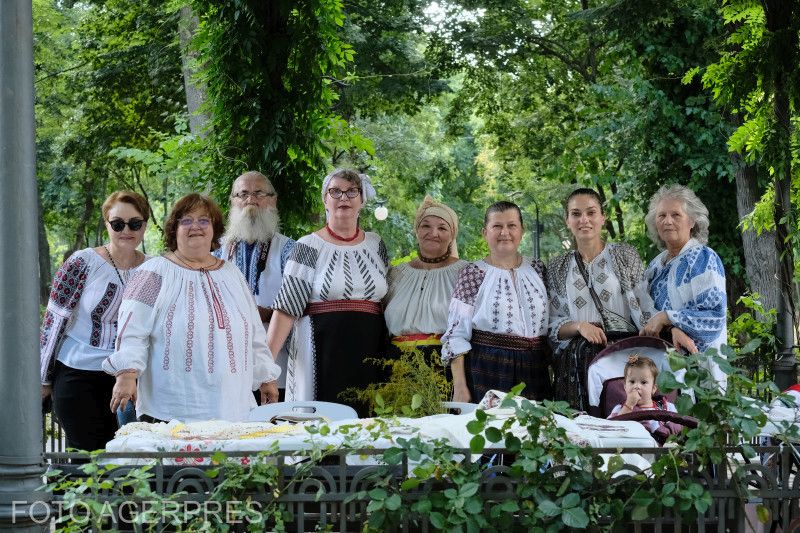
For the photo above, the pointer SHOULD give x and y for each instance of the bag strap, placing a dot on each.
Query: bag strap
(597, 302)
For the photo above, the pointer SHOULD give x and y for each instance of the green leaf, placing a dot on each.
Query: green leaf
(762, 513)
(416, 401)
(493, 434)
(575, 517)
(475, 426)
(377, 494)
(393, 456)
(477, 443)
(473, 506)
(640, 513)
(549, 508)
(437, 520)
(468, 489)
(393, 502)
(480, 415)
(572, 499)
(411, 483)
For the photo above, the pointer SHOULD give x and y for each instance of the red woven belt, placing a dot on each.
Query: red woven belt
(508, 342)
(334, 306)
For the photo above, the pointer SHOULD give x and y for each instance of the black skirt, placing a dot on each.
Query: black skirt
(342, 340)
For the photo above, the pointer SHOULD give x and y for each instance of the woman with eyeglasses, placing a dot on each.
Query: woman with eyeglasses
(190, 330)
(331, 293)
(80, 323)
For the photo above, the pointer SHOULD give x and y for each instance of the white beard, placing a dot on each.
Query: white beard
(251, 224)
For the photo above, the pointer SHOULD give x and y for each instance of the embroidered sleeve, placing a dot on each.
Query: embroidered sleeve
(265, 369)
(703, 315)
(65, 293)
(298, 278)
(456, 339)
(629, 269)
(286, 252)
(556, 276)
(383, 254)
(137, 320)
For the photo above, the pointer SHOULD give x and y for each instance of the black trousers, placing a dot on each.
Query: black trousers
(81, 400)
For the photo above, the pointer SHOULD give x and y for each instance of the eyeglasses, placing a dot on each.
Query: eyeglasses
(350, 193)
(118, 224)
(188, 222)
(258, 195)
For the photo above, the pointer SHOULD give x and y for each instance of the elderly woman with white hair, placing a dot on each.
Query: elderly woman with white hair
(687, 280)
(420, 290)
(331, 293)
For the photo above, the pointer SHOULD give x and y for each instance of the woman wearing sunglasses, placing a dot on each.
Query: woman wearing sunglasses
(80, 323)
(190, 330)
(331, 293)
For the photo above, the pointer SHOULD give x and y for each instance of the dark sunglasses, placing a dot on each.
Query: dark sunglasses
(118, 224)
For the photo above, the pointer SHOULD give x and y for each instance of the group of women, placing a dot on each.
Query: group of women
(181, 334)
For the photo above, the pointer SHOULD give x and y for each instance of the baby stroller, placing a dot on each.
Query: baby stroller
(606, 383)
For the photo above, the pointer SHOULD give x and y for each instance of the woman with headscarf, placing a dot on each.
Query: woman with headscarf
(687, 280)
(331, 293)
(420, 290)
(497, 323)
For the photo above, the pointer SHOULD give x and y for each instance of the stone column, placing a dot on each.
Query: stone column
(21, 463)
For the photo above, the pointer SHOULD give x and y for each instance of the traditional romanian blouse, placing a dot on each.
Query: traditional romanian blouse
(418, 299)
(616, 275)
(319, 271)
(80, 323)
(196, 340)
(691, 290)
(486, 298)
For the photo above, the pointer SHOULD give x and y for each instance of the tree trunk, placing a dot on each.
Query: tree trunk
(761, 262)
(195, 93)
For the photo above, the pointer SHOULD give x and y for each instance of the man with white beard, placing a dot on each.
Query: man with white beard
(252, 241)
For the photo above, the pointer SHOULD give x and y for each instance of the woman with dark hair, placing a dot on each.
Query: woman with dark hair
(80, 323)
(594, 298)
(687, 280)
(497, 325)
(331, 294)
(190, 330)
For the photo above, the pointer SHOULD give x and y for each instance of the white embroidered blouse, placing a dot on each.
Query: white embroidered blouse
(196, 340)
(418, 300)
(616, 275)
(509, 302)
(80, 324)
(319, 271)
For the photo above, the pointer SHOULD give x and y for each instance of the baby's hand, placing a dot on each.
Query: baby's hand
(633, 398)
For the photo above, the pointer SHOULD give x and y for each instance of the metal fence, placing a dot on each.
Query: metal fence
(329, 498)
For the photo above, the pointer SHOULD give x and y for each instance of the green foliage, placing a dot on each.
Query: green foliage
(417, 386)
(269, 69)
(752, 334)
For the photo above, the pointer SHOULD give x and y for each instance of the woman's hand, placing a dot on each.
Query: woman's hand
(591, 333)
(47, 390)
(682, 340)
(124, 391)
(269, 392)
(655, 325)
(461, 393)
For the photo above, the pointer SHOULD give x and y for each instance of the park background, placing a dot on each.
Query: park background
(470, 101)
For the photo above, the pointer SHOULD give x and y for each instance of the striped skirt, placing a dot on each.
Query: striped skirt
(502, 361)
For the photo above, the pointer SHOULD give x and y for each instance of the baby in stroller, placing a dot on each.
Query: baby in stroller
(642, 395)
